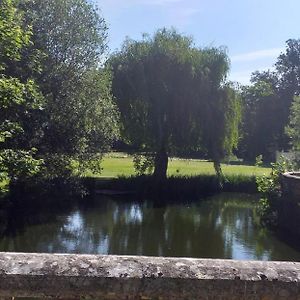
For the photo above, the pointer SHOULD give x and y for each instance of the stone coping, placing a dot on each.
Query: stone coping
(135, 277)
(293, 175)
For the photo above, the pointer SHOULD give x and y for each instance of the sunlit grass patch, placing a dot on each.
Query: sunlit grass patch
(120, 164)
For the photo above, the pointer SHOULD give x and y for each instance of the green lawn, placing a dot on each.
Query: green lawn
(121, 164)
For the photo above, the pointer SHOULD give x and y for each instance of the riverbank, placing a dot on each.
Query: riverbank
(61, 192)
(174, 188)
(192, 178)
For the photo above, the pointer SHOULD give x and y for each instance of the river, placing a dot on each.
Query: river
(223, 226)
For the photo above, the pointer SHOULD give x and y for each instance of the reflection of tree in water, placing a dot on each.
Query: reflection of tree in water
(22, 236)
(243, 234)
(219, 228)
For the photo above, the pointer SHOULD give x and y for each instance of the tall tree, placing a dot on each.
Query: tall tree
(268, 103)
(80, 118)
(262, 121)
(167, 90)
(148, 83)
(19, 99)
(293, 128)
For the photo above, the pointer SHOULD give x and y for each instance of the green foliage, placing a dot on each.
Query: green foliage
(143, 164)
(221, 137)
(293, 129)
(19, 163)
(170, 93)
(12, 34)
(270, 189)
(288, 68)
(80, 120)
(259, 160)
(267, 103)
(19, 100)
(262, 118)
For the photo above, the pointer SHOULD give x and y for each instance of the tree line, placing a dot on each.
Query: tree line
(64, 100)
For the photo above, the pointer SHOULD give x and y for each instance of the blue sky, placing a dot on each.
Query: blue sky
(254, 31)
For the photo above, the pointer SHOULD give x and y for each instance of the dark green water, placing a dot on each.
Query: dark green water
(225, 226)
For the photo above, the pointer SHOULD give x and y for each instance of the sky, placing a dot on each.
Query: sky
(253, 31)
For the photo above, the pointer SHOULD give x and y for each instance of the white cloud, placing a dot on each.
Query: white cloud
(256, 55)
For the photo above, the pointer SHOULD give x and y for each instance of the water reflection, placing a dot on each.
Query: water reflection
(225, 226)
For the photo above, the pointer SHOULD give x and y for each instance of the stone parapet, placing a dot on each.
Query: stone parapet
(134, 277)
(289, 206)
(290, 182)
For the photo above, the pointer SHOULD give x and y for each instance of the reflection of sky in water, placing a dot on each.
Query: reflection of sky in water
(242, 249)
(219, 228)
(74, 222)
(135, 214)
(103, 246)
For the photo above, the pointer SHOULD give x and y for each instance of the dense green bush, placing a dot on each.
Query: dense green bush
(270, 189)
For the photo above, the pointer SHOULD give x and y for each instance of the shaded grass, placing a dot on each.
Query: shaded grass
(186, 178)
(174, 188)
(115, 165)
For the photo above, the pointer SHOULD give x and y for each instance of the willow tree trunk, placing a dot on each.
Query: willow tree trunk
(161, 165)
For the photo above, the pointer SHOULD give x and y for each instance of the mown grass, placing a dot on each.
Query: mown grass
(115, 165)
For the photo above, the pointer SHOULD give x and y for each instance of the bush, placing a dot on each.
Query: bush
(270, 189)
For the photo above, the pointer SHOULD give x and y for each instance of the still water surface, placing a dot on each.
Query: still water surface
(223, 226)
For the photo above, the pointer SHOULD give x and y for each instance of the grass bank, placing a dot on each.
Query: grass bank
(187, 178)
(173, 189)
(120, 164)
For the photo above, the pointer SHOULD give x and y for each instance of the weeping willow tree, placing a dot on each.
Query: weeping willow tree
(220, 124)
(172, 95)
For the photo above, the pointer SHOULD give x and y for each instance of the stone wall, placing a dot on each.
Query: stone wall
(135, 277)
(289, 211)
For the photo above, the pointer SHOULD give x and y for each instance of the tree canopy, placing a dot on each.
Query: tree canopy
(80, 120)
(57, 112)
(168, 92)
(19, 99)
(293, 128)
(267, 106)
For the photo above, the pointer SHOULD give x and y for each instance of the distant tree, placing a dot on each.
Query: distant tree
(288, 67)
(267, 103)
(293, 129)
(80, 119)
(262, 118)
(170, 95)
(19, 99)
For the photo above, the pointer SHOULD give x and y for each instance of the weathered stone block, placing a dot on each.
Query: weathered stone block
(133, 277)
